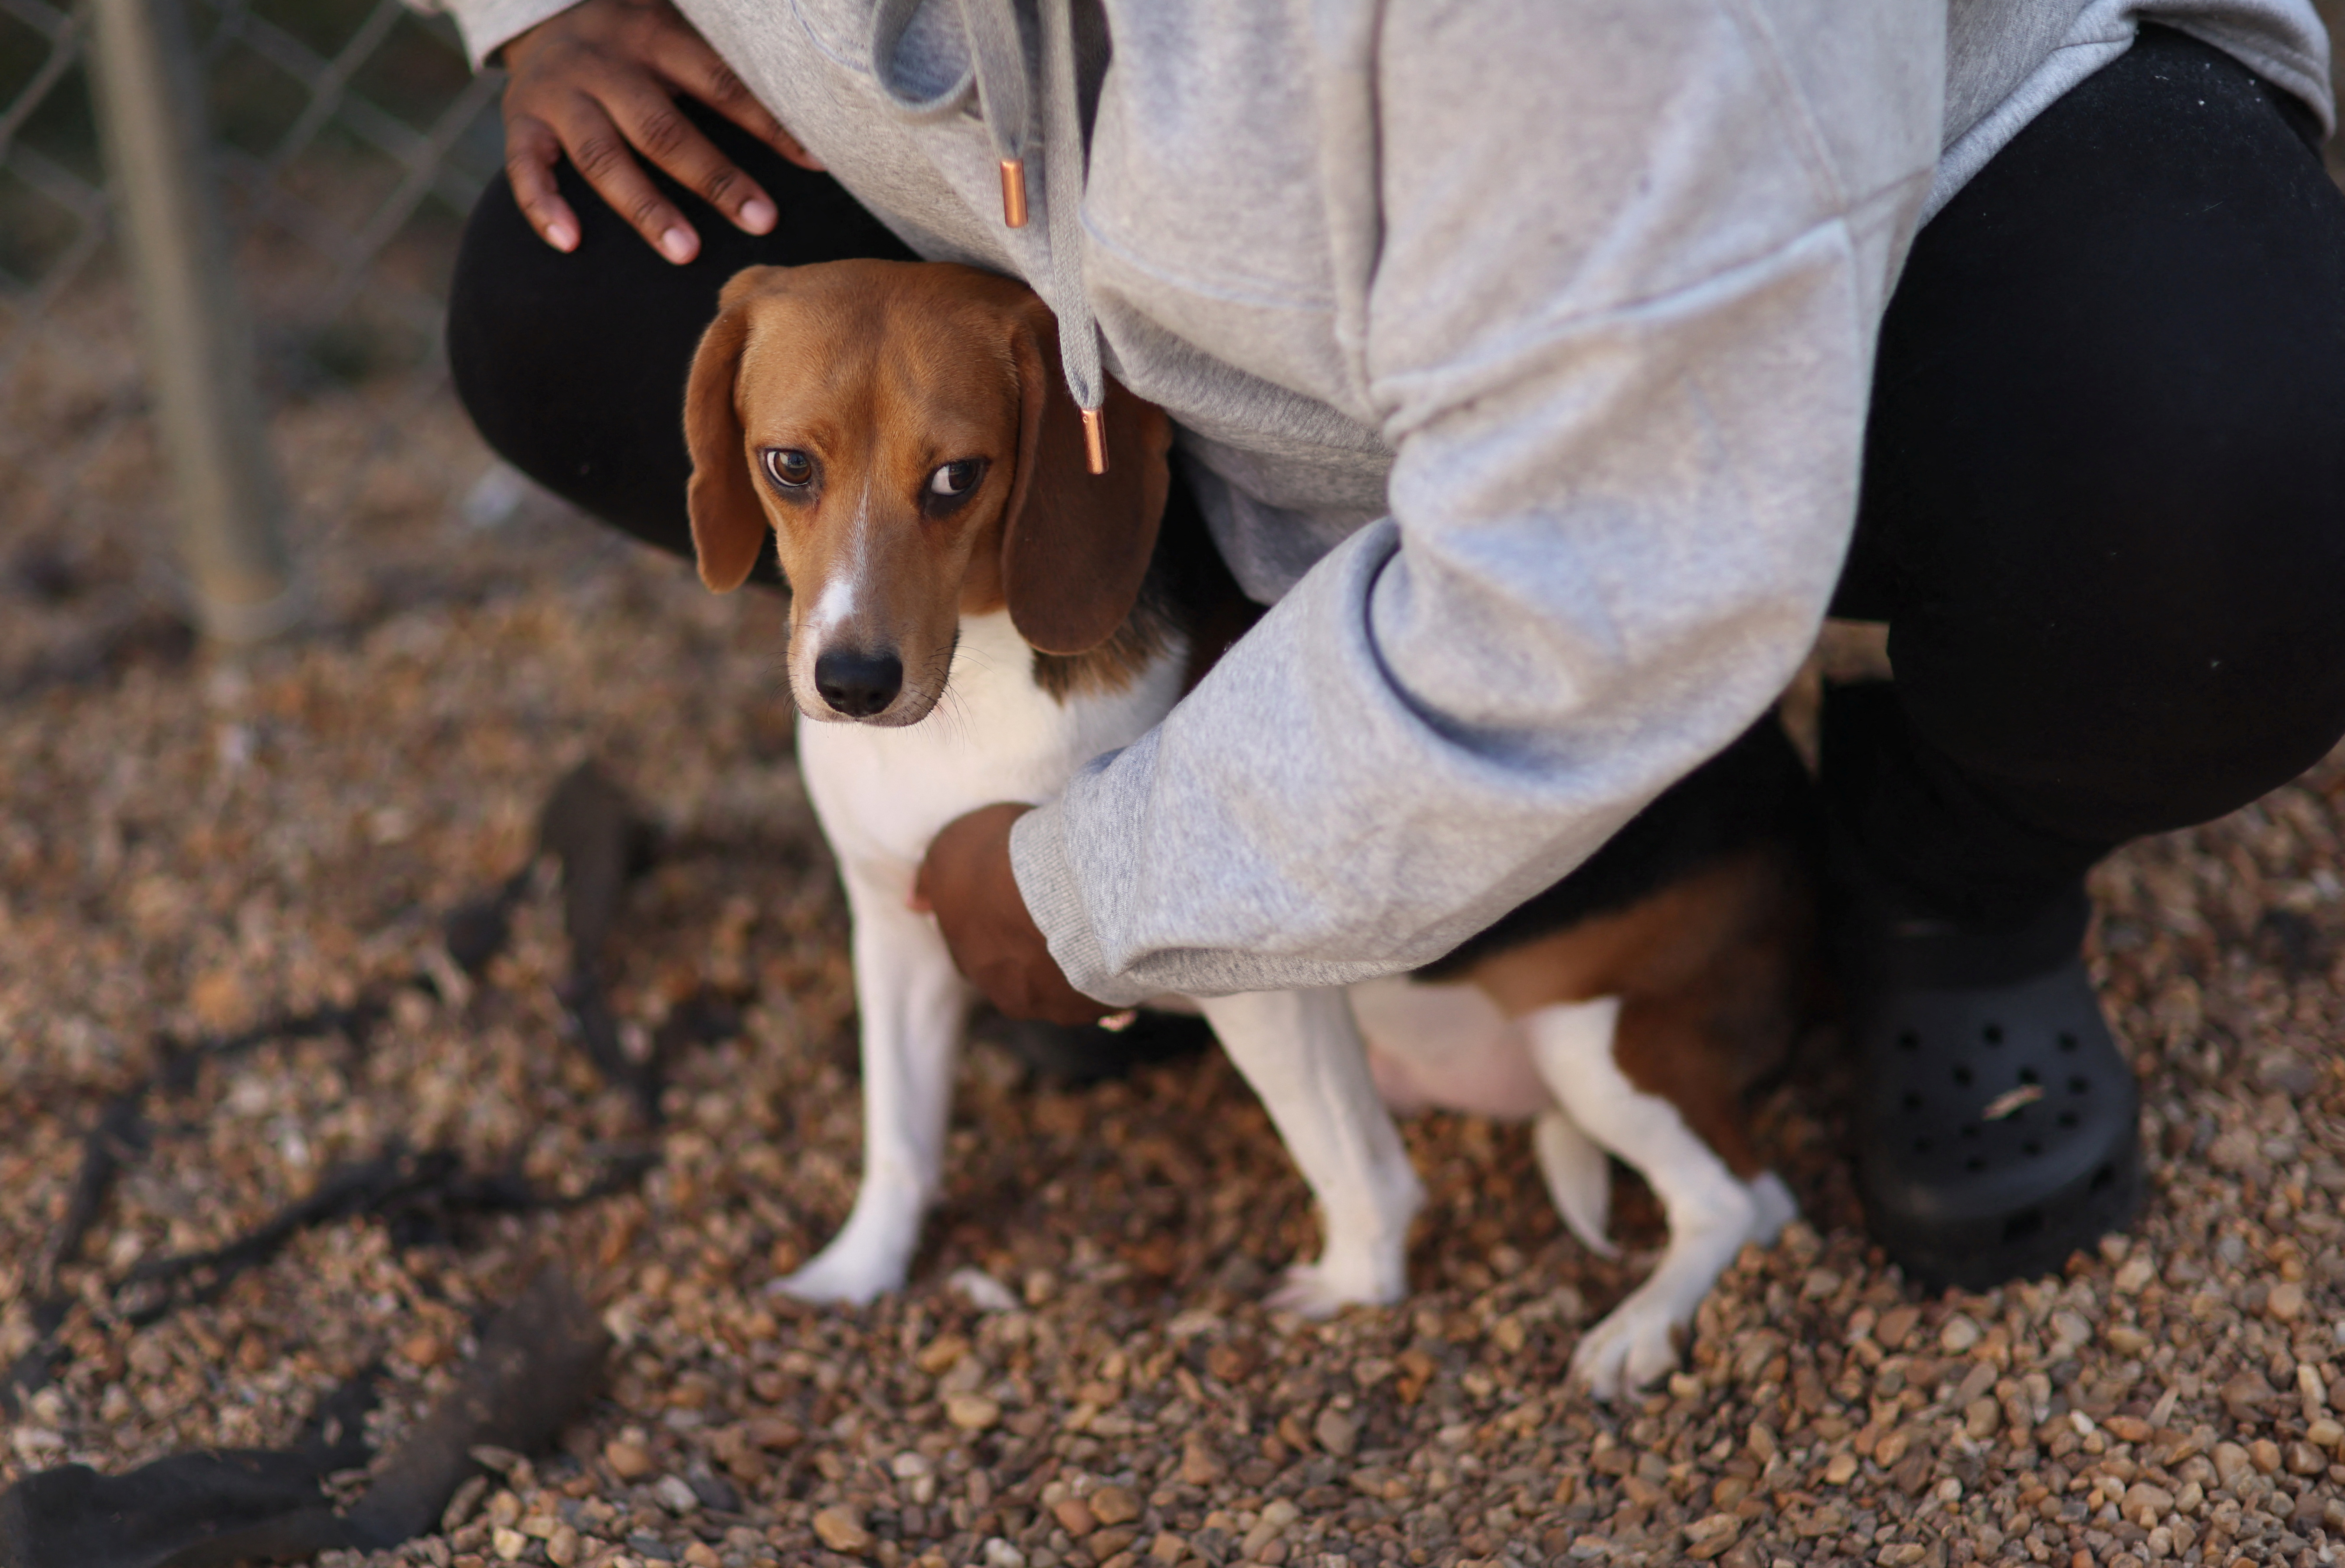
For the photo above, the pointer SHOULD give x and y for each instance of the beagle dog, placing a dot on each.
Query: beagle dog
(975, 616)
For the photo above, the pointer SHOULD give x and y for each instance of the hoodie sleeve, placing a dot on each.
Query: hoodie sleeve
(1620, 270)
(488, 26)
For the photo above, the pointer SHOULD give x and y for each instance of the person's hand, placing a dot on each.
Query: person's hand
(967, 882)
(598, 82)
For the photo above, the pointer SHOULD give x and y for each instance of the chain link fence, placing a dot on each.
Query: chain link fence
(348, 140)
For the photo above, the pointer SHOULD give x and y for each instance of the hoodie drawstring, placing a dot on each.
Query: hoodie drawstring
(997, 75)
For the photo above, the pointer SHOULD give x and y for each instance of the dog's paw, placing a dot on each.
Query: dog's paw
(841, 1274)
(1635, 1345)
(1321, 1290)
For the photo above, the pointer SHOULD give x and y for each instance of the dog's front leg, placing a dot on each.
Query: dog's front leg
(1303, 1056)
(912, 1004)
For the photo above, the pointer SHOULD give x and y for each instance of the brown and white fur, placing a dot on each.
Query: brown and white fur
(963, 632)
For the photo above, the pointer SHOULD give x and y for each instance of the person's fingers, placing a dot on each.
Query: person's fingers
(688, 61)
(531, 151)
(601, 152)
(656, 126)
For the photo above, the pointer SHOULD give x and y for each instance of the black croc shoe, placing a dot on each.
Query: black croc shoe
(1998, 1124)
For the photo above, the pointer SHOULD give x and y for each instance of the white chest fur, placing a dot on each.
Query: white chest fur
(883, 793)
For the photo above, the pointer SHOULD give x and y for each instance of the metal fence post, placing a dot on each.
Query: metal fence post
(198, 339)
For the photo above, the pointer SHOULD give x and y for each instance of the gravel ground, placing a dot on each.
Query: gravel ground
(1080, 1375)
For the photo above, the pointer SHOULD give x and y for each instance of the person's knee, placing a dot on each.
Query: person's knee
(2137, 702)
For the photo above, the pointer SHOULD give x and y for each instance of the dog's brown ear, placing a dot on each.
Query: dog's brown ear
(728, 522)
(1075, 545)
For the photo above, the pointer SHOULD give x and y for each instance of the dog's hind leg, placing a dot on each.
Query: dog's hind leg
(913, 1004)
(1711, 1213)
(1578, 1175)
(1303, 1056)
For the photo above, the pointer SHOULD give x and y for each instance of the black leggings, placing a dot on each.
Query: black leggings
(2103, 500)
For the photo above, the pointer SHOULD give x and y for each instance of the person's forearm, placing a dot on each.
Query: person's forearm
(1623, 360)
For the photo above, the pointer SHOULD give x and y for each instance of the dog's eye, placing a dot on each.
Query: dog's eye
(958, 478)
(789, 467)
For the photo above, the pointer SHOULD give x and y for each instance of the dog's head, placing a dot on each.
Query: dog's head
(904, 430)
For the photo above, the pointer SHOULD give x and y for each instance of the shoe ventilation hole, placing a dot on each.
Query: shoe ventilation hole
(1970, 1130)
(2067, 1041)
(2068, 1118)
(2104, 1176)
(1909, 1041)
(1992, 1034)
(1961, 1074)
(2031, 1149)
(2026, 1222)
(2078, 1086)
(1912, 1102)
(1974, 1164)
(2027, 1076)
(1923, 1144)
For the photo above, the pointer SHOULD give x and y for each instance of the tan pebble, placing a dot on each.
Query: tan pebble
(1110, 1542)
(2325, 1433)
(1200, 1466)
(562, 1547)
(971, 1412)
(1894, 1326)
(507, 1544)
(219, 999)
(2285, 1302)
(938, 1355)
(1708, 1538)
(628, 1461)
(424, 1349)
(1114, 1505)
(771, 1433)
(1168, 1548)
(504, 1509)
(841, 1530)
(700, 1555)
(1837, 1471)
(2129, 1428)
(2304, 1459)
(2126, 1339)
(1981, 1416)
(2145, 1504)
(2264, 1455)
(2232, 1461)
(1959, 1334)
(1901, 1554)
(1075, 1517)
(1892, 1448)
(539, 1526)
(1338, 1432)
(2137, 1272)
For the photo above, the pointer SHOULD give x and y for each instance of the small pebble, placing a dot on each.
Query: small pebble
(841, 1530)
(971, 1412)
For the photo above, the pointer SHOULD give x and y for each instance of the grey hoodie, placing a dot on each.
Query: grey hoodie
(1519, 352)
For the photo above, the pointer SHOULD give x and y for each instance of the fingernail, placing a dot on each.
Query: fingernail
(562, 237)
(677, 244)
(757, 215)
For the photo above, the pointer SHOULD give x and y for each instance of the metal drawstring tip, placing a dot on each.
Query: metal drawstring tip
(1095, 439)
(1013, 192)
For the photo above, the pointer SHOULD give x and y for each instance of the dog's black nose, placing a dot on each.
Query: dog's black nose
(858, 684)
